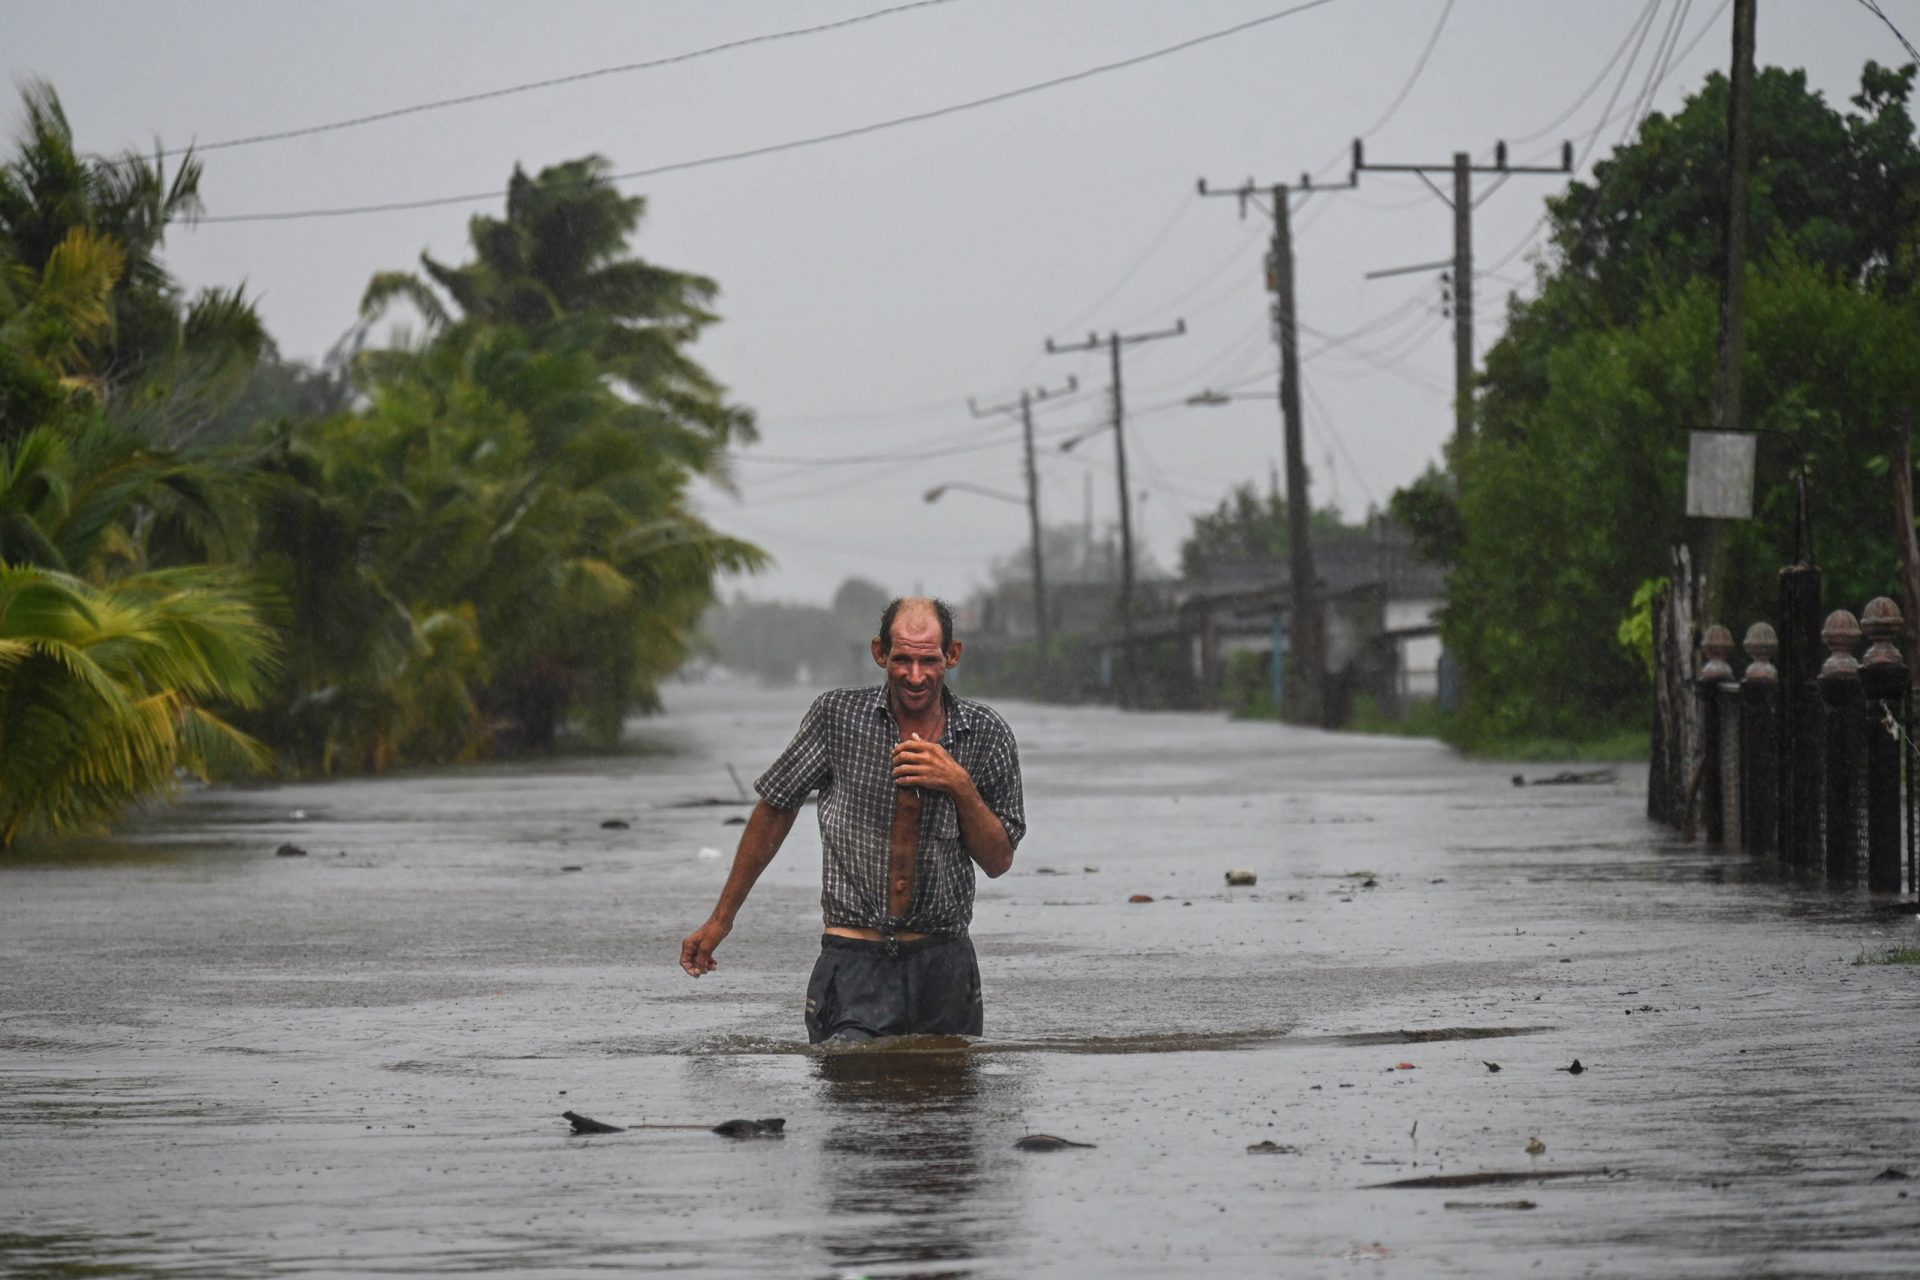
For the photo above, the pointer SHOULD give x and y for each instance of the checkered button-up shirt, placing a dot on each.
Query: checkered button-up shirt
(844, 749)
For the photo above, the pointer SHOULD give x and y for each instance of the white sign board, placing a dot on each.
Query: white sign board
(1720, 474)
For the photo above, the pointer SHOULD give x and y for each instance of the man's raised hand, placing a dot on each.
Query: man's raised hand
(918, 763)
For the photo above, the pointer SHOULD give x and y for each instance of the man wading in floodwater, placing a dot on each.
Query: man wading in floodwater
(916, 785)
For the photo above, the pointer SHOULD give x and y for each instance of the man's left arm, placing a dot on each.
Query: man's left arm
(987, 836)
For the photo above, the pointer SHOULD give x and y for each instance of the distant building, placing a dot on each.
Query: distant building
(1382, 621)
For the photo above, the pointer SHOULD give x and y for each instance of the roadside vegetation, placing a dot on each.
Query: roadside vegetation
(1571, 492)
(215, 561)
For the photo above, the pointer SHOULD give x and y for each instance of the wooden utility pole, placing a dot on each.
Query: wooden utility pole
(1462, 168)
(1115, 342)
(1733, 283)
(1042, 627)
(1304, 677)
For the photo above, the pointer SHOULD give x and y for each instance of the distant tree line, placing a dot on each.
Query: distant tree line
(212, 559)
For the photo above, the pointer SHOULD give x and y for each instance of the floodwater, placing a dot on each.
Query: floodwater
(218, 1062)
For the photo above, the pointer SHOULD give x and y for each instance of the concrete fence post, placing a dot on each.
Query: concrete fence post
(1759, 742)
(1716, 644)
(1883, 679)
(1845, 706)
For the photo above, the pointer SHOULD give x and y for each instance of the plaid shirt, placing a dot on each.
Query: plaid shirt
(845, 749)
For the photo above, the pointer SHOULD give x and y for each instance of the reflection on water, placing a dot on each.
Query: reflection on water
(908, 1149)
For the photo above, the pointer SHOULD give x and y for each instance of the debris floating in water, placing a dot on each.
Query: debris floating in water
(774, 1128)
(1567, 778)
(1141, 897)
(1490, 1204)
(1047, 1142)
(587, 1124)
(289, 851)
(1241, 877)
(1271, 1148)
(708, 854)
(614, 824)
(770, 1128)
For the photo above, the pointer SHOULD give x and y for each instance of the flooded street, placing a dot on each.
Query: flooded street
(218, 1062)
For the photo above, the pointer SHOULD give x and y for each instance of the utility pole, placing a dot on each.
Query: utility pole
(1115, 342)
(1303, 696)
(1462, 168)
(1042, 628)
(1733, 285)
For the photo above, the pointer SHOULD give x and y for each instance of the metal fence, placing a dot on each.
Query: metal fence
(1808, 762)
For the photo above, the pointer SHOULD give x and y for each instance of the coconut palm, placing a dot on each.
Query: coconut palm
(185, 354)
(557, 268)
(534, 452)
(105, 691)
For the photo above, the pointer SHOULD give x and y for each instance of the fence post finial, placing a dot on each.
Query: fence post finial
(1717, 644)
(1841, 635)
(1881, 622)
(1761, 645)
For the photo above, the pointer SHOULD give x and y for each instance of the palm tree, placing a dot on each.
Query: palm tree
(104, 691)
(557, 268)
(538, 445)
(197, 350)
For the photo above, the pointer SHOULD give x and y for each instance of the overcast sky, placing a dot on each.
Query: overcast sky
(871, 285)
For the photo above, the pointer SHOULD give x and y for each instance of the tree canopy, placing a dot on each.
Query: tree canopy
(1572, 490)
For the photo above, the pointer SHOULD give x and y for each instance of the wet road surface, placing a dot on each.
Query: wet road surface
(216, 1062)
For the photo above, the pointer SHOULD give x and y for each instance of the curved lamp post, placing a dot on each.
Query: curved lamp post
(934, 494)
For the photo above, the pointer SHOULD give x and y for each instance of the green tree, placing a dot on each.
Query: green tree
(119, 644)
(183, 354)
(1570, 494)
(503, 524)
(1247, 525)
(104, 691)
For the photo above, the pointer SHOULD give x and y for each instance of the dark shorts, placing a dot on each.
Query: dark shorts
(858, 991)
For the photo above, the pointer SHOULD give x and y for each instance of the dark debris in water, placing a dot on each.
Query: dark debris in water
(1490, 1179)
(1047, 1142)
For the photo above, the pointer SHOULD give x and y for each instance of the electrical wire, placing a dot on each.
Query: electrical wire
(487, 95)
(1413, 77)
(794, 144)
(1588, 92)
(1321, 417)
(1532, 232)
(1332, 162)
(1124, 278)
(1873, 8)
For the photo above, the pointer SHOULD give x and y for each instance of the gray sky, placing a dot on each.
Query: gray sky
(870, 286)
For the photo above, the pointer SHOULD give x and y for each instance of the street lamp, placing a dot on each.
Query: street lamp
(1210, 397)
(934, 494)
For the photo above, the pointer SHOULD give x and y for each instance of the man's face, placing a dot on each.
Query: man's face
(916, 665)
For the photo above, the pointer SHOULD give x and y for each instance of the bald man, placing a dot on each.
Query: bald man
(917, 788)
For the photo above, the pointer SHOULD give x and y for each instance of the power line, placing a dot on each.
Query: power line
(1321, 418)
(1880, 13)
(1588, 92)
(1326, 166)
(1413, 77)
(486, 95)
(1527, 239)
(1125, 277)
(794, 144)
